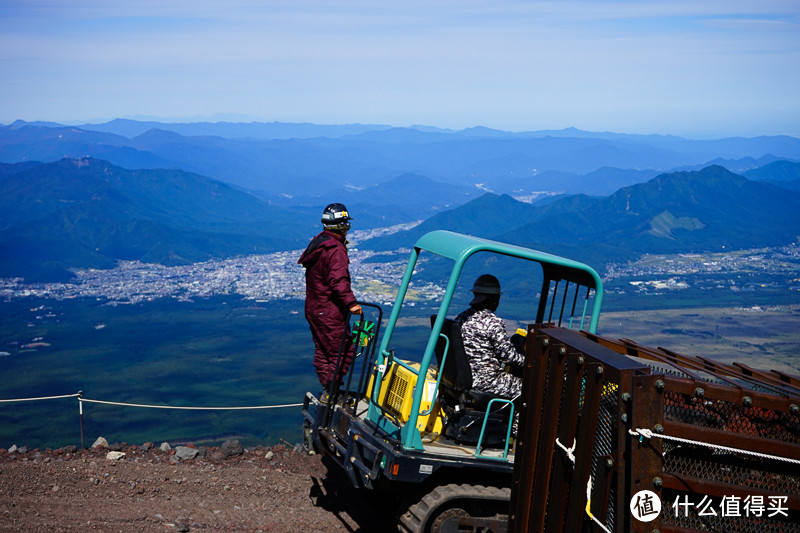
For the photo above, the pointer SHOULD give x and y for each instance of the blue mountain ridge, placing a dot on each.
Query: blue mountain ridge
(502, 162)
(88, 213)
(201, 196)
(707, 210)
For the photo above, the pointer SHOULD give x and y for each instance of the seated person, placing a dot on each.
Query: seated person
(486, 342)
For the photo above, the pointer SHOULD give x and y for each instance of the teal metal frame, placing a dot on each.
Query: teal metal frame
(459, 248)
(508, 430)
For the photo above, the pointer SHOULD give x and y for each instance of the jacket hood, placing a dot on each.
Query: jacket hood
(326, 239)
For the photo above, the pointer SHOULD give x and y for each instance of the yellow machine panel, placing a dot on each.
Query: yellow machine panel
(396, 396)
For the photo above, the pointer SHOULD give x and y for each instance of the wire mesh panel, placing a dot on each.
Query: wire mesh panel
(731, 461)
(605, 448)
(568, 457)
(607, 421)
(765, 423)
(719, 444)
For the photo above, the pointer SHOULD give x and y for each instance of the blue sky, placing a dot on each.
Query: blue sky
(706, 68)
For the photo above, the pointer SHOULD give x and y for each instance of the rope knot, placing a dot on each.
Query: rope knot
(568, 451)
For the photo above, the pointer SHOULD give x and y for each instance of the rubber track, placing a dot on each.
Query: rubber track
(415, 518)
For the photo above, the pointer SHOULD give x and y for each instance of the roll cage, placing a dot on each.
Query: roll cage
(562, 278)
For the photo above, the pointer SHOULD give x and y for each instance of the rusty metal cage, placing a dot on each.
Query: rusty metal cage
(605, 419)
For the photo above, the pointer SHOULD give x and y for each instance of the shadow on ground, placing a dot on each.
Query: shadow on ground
(358, 511)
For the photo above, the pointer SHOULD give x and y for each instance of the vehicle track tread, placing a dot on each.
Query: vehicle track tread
(416, 518)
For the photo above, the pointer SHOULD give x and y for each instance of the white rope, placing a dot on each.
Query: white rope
(190, 408)
(589, 506)
(41, 398)
(568, 450)
(571, 456)
(642, 432)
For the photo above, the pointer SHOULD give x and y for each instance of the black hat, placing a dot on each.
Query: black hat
(484, 287)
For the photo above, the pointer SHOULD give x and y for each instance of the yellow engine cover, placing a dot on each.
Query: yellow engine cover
(396, 396)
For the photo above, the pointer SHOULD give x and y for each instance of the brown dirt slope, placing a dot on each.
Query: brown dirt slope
(276, 489)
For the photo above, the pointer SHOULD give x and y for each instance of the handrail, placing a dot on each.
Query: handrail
(406, 366)
(504, 401)
(438, 375)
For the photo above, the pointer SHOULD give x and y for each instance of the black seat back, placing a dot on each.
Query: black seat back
(456, 373)
(466, 407)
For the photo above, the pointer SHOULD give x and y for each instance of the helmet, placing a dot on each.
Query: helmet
(336, 217)
(485, 288)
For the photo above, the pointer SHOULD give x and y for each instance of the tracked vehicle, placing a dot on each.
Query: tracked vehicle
(412, 425)
(601, 420)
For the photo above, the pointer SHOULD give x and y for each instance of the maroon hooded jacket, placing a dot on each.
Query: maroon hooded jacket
(328, 299)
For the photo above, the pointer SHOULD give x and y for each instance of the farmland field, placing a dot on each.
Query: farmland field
(229, 351)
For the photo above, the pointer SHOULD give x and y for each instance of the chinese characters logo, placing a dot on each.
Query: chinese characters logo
(645, 506)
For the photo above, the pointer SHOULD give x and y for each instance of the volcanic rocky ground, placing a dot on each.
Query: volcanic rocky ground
(278, 489)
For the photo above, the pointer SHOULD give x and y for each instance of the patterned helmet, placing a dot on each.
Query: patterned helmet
(336, 217)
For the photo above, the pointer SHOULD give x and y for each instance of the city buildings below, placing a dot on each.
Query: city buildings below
(376, 276)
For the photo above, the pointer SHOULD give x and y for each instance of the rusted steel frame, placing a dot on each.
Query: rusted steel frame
(623, 414)
(567, 422)
(787, 378)
(774, 377)
(715, 391)
(645, 461)
(614, 365)
(530, 421)
(752, 443)
(736, 372)
(710, 364)
(725, 372)
(718, 489)
(719, 371)
(679, 362)
(587, 430)
(547, 436)
(606, 474)
(634, 349)
(620, 346)
(688, 364)
(613, 362)
(606, 342)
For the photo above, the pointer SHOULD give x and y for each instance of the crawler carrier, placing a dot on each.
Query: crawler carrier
(600, 420)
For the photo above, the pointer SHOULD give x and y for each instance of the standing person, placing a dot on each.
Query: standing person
(329, 297)
(486, 342)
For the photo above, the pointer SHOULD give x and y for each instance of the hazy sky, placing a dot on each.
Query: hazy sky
(689, 67)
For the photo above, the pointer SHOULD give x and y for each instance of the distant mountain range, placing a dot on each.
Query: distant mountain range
(89, 213)
(164, 196)
(707, 210)
(783, 173)
(271, 159)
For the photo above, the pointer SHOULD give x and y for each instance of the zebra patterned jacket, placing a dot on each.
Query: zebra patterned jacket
(489, 349)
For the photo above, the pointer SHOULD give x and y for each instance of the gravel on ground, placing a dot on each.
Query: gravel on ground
(270, 489)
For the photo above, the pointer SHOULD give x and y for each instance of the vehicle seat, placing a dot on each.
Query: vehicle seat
(456, 382)
(465, 408)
